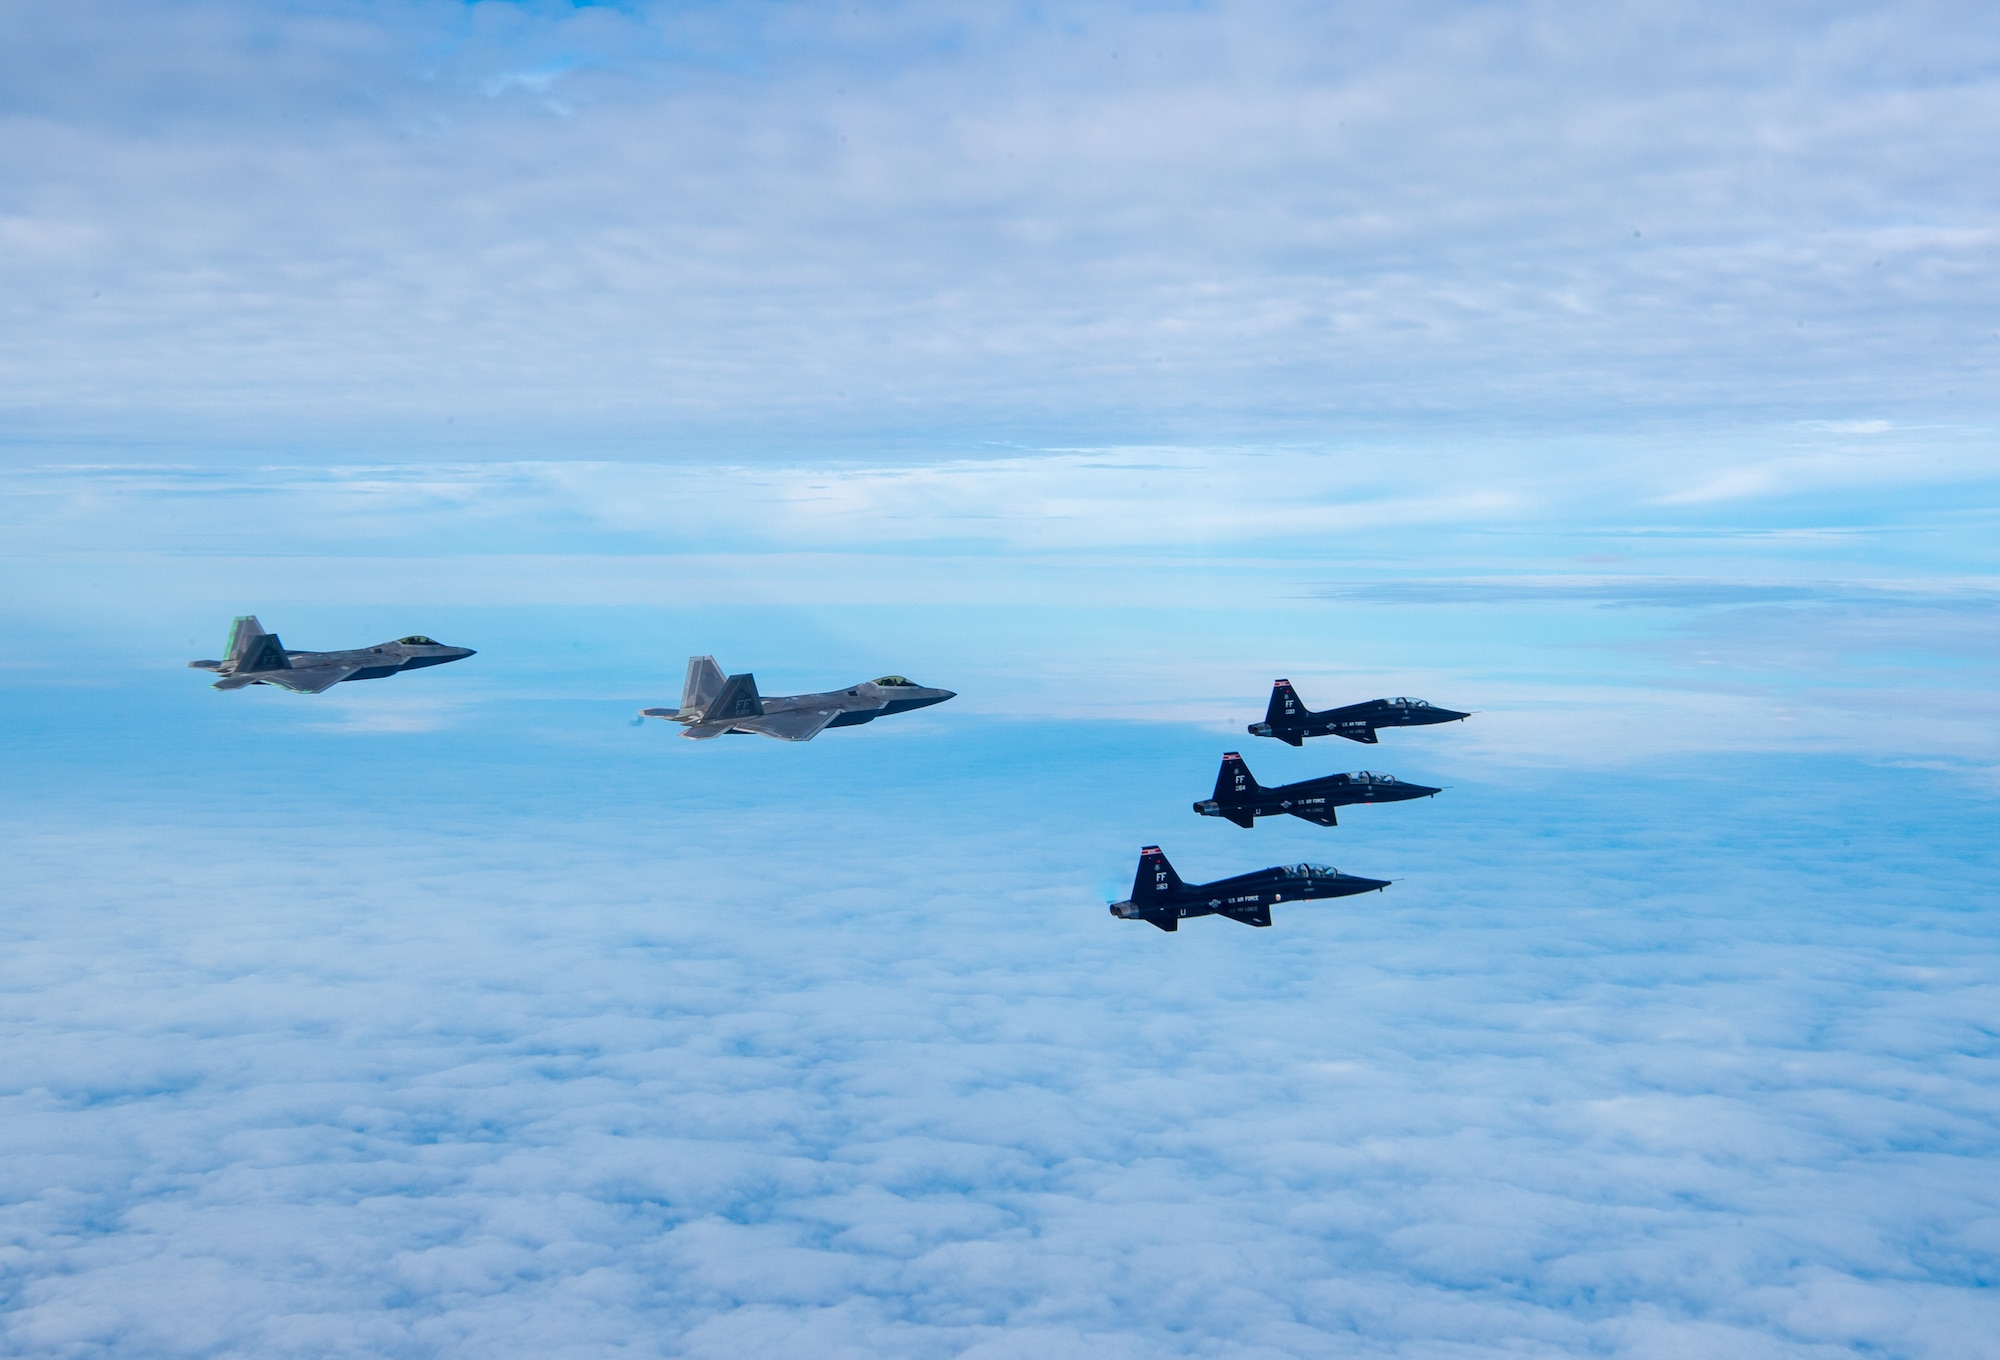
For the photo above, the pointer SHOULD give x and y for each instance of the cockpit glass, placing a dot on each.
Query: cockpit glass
(418, 640)
(894, 680)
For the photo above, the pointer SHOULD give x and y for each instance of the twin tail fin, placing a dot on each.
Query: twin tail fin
(704, 682)
(253, 649)
(738, 698)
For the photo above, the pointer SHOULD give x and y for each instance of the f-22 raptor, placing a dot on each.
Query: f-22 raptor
(1240, 798)
(712, 704)
(1159, 898)
(1292, 722)
(259, 658)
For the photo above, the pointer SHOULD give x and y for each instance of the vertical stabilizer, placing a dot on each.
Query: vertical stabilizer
(737, 699)
(1284, 717)
(1234, 782)
(1285, 708)
(253, 649)
(1156, 880)
(243, 630)
(704, 682)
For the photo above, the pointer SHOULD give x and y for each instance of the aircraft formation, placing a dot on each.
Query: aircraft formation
(1160, 897)
(714, 704)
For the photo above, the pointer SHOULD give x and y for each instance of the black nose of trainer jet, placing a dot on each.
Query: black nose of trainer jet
(1383, 788)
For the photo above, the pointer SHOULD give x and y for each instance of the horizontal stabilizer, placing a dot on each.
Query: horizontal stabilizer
(1242, 818)
(1163, 922)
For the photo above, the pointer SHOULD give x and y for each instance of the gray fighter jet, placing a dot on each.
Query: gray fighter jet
(712, 704)
(258, 658)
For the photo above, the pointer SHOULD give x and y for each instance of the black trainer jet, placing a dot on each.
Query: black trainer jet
(1160, 898)
(1292, 722)
(1240, 798)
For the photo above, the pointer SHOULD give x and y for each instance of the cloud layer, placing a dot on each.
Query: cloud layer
(536, 228)
(453, 1052)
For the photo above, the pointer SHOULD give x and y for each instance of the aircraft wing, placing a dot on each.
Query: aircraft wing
(1318, 817)
(308, 680)
(797, 724)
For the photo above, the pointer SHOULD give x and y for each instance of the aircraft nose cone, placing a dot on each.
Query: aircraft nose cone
(460, 653)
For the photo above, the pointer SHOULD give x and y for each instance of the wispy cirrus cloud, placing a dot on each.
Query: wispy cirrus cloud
(548, 230)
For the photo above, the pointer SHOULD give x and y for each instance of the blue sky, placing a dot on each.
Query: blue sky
(1627, 378)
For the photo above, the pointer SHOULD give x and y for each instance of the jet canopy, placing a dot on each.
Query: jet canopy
(1410, 703)
(901, 680)
(1311, 871)
(419, 640)
(1370, 777)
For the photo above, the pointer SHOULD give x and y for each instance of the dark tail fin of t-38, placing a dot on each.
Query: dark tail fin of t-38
(1156, 880)
(1235, 785)
(1284, 714)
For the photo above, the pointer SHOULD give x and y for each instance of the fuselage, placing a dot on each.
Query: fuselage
(1246, 897)
(259, 658)
(376, 663)
(1291, 721)
(714, 705)
(862, 703)
(1313, 799)
(867, 701)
